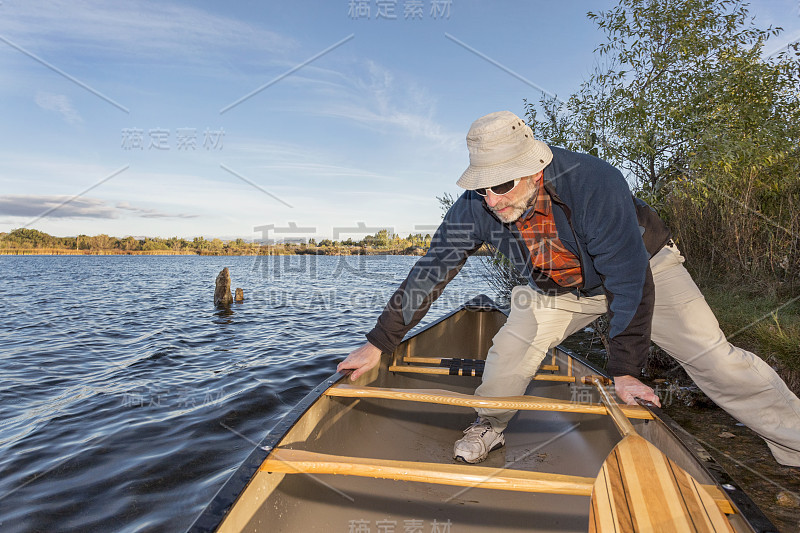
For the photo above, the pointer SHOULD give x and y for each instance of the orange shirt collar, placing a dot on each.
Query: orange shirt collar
(541, 204)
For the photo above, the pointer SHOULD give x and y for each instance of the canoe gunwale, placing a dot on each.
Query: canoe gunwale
(216, 511)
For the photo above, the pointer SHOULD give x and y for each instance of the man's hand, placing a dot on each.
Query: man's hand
(360, 360)
(628, 387)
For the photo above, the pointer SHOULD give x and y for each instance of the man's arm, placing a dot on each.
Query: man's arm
(455, 240)
(628, 349)
(606, 219)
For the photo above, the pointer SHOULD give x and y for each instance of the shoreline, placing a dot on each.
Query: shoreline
(53, 252)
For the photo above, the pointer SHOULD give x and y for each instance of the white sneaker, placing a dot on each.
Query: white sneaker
(479, 439)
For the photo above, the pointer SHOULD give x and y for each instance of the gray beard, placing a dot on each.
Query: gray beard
(518, 208)
(513, 216)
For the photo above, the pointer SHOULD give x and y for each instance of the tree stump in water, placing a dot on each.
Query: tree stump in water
(239, 297)
(222, 292)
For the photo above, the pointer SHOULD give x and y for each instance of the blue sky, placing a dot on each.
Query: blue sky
(125, 108)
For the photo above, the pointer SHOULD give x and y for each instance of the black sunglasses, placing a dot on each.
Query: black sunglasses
(503, 188)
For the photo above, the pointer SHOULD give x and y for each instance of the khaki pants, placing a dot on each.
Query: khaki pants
(683, 325)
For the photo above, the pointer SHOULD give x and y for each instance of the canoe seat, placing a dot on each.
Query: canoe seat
(445, 397)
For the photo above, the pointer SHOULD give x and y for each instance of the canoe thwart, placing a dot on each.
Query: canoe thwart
(451, 361)
(468, 371)
(445, 397)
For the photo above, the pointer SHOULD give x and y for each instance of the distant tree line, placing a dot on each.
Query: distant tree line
(381, 242)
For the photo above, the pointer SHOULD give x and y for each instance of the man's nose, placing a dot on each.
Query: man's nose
(492, 198)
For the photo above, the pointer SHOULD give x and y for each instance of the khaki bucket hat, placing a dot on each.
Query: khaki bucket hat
(502, 148)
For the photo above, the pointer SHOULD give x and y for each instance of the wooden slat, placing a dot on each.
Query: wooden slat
(296, 462)
(624, 498)
(440, 360)
(445, 397)
(719, 497)
(443, 371)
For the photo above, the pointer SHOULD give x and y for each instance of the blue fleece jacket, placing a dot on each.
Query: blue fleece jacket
(613, 234)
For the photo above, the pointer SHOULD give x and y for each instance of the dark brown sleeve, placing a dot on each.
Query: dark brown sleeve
(629, 349)
(391, 326)
(454, 241)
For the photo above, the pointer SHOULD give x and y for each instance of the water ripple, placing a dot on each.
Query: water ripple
(120, 379)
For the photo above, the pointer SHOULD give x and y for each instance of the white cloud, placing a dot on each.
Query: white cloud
(150, 213)
(286, 160)
(376, 99)
(134, 29)
(60, 104)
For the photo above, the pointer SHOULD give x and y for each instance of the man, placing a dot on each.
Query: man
(569, 224)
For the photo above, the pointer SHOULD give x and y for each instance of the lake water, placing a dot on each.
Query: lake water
(127, 399)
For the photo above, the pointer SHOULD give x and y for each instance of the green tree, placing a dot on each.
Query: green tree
(154, 244)
(83, 242)
(200, 244)
(382, 238)
(129, 243)
(705, 127)
(101, 242)
(31, 238)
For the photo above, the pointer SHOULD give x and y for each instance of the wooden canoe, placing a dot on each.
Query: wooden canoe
(376, 454)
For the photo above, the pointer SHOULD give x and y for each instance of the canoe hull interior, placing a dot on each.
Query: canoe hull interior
(574, 444)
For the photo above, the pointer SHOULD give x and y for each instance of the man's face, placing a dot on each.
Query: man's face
(510, 206)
